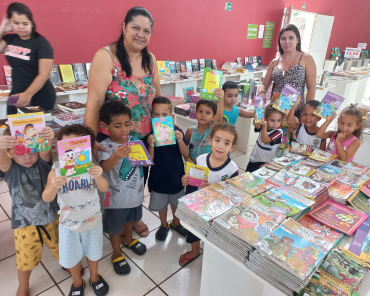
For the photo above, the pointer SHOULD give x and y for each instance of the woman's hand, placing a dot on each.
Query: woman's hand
(98, 147)
(23, 100)
(5, 25)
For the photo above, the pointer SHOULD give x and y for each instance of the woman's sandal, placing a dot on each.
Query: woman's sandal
(77, 290)
(120, 265)
(100, 287)
(137, 247)
(142, 231)
(188, 259)
(67, 270)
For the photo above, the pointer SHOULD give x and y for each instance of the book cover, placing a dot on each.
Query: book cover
(214, 64)
(183, 66)
(341, 191)
(212, 79)
(188, 67)
(286, 99)
(163, 130)
(259, 108)
(208, 63)
(250, 220)
(161, 67)
(26, 129)
(345, 266)
(172, 67)
(178, 67)
(337, 163)
(321, 155)
(366, 188)
(264, 173)
(250, 184)
(197, 174)
(8, 74)
(329, 105)
(229, 191)
(302, 149)
(288, 159)
(361, 244)
(67, 73)
(273, 166)
(296, 248)
(324, 79)
(87, 67)
(330, 170)
(360, 202)
(301, 169)
(311, 163)
(54, 75)
(188, 92)
(167, 66)
(307, 186)
(283, 177)
(75, 156)
(195, 66)
(79, 72)
(317, 227)
(323, 178)
(289, 205)
(339, 217)
(202, 64)
(357, 168)
(71, 106)
(239, 62)
(139, 154)
(352, 179)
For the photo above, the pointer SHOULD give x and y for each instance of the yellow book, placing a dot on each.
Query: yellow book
(67, 73)
(197, 174)
(161, 67)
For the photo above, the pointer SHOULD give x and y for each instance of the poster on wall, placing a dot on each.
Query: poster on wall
(252, 31)
(260, 31)
(269, 32)
(362, 45)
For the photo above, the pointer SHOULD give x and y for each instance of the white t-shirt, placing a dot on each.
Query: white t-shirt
(228, 170)
(79, 204)
(304, 137)
(265, 152)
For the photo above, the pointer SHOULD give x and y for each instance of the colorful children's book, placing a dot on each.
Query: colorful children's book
(26, 128)
(366, 188)
(337, 216)
(286, 99)
(75, 156)
(188, 92)
(250, 220)
(167, 65)
(295, 248)
(288, 204)
(197, 174)
(345, 266)
(301, 169)
(273, 166)
(211, 81)
(264, 173)
(178, 67)
(229, 191)
(337, 163)
(283, 177)
(360, 202)
(351, 179)
(327, 232)
(250, 184)
(330, 170)
(269, 92)
(357, 168)
(194, 63)
(329, 105)
(361, 244)
(259, 109)
(8, 74)
(321, 155)
(302, 149)
(202, 64)
(307, 186)
(183, 66)
(163, 130)
(139, 154)
(67, 73)
(288, 159)
(311, 163)
(323, 178)
(188, 67)
(161, 67)
(340, 191)
(172, 67)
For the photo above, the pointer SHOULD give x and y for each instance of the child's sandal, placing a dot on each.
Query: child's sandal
(77, 291)
(100, 287)
(120, 265)
(180, 229)
(67, 270)
(137, 247)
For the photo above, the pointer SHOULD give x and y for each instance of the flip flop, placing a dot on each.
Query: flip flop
(143, 231)
(67, 270)
(189, 259)
(100, 287)
(137, 247)
(120, 266)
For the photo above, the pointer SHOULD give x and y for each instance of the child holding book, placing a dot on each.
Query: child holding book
(80, 221)
(124, 198)
(223, 138)
(231, 112)
(270, 135)
(33, 220)
(346, 141)
(306, 126)
(164, 183)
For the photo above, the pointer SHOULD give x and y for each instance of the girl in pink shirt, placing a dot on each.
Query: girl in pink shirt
(346, 141)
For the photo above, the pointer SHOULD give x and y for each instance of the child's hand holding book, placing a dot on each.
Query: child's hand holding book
(95, 172)
(219, 93)
(179, 137)
(7, 142)
(47, 133)
(58, 181)
(122, 151)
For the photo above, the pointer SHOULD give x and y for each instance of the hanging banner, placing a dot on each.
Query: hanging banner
(252, 31)
(269, 32)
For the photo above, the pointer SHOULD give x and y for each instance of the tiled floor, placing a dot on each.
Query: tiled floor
(157, 273)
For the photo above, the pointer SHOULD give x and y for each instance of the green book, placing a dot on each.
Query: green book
(212, 79)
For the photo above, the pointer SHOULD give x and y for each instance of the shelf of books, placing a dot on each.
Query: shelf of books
(299, 225)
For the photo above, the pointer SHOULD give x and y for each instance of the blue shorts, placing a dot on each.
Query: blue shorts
(74, 245)
(115, 219)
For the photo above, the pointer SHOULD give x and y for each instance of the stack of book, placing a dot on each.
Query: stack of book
(67, 119)
(74, 107)
(34, 109)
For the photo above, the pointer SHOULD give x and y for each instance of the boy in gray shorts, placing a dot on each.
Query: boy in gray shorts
(165, 176)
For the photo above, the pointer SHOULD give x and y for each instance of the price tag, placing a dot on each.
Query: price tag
(353, 53)
(362, 45)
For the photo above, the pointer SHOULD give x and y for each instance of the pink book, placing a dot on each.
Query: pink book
(339, 217)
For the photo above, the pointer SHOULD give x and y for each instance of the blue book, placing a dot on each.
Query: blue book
(164, 132)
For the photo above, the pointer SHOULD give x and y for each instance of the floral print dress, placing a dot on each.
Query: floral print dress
(137, 93)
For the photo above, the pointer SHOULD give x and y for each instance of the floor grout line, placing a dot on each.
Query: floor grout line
(5, 212)
(7, 257)
(55, 283)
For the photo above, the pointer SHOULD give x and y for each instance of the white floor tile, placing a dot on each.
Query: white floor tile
(53, 291)
(150, 219)
(134, 284)
(3, 216)
(146, 201)
(6, 203)
(156, 292)
(161, 258)
(39, 281)
(3, 186)
(186, 281)
(7, 247)
(235, 153)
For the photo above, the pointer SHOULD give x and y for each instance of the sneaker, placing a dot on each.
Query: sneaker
(180, 229)
(162, 233)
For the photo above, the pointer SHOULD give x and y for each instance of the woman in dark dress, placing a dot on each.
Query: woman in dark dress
(31, 57)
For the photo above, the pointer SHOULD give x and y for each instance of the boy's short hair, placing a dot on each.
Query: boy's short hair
(229, 85)
(162, 100)
(113, 108)
(269, 110)
(208, 103)
(77, 129)
(311, 103)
